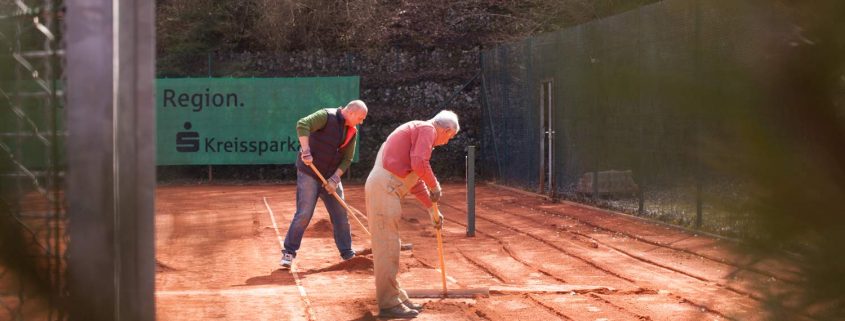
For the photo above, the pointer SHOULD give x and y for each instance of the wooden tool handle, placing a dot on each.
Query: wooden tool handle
(342, 203)
(440, 252)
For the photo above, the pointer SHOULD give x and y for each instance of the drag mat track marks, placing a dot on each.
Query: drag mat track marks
(678, 299)
(537, 242)
(536, 238)
(503, 266)
(670, 260)
(551, 258)
(739, 268)
(585, 307)
(516, 307)
(657, 307)
(493, 257)
(507, 250)
(617, 266)
(450, 267)
(632, 255)
(538, 265)
(483, 267)
(708, 248)
(496, 257)
(610, 304)
(510, 252)
(548, 307)
(514, 254)
(464, 249)
(489, 261)
(576, 269)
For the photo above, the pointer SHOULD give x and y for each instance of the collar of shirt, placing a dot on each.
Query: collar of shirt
(350, 132)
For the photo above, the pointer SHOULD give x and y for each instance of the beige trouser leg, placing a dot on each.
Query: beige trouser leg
(384, 192)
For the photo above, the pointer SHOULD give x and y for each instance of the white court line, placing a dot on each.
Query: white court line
(293, 270)
(266, 291)
(448, 277)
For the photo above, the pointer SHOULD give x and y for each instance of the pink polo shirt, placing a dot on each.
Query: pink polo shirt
(408, 149)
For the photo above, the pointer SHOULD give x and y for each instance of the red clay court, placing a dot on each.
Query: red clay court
(218, 253)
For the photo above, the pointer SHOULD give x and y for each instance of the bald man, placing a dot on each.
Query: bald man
(327, 141)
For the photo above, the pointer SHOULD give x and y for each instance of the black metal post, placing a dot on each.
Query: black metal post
(470, 177)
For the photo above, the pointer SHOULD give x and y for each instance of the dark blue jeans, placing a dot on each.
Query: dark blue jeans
(307, 190)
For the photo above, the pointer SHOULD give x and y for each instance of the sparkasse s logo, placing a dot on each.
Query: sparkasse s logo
(187, 141)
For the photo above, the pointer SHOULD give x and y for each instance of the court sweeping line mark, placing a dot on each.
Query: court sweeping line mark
(265, 291)
(293, 269)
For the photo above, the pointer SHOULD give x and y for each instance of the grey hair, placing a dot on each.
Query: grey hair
(446, 119)
(357, 106)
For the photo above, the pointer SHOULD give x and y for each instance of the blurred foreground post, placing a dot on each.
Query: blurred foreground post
(111, 159)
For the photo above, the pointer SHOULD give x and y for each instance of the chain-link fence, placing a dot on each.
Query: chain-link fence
(33, 238)
(637, 112)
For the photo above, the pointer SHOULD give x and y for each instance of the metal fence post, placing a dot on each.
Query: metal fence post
(110, 187)
(470, 177)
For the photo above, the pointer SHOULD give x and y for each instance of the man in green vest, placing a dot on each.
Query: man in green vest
(327, 142)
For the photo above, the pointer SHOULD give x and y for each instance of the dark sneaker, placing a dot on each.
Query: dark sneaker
(398, 312)
(287, 260)
(412, 305)
(348, 256)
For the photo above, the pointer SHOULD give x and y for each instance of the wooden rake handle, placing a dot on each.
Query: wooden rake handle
(348, 210)
(440, 250)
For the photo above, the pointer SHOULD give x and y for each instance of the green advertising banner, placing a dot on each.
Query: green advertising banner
(230, 121)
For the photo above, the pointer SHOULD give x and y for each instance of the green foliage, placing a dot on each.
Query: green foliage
(189, 30)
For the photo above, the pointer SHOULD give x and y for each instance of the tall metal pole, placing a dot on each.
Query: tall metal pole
(470, 176)
(110, 117)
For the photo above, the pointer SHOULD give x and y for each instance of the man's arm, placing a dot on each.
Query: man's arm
(308, 124)
(421, 156)
(346, 161)
(421, 193)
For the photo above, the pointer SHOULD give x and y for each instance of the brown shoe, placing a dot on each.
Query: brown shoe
(400, 311)
(412, 305)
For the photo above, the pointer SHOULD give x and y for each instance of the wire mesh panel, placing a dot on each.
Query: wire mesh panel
(32, 222)
(644, 106)
(511, 116)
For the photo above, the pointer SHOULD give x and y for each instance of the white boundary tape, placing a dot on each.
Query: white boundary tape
(293, 269)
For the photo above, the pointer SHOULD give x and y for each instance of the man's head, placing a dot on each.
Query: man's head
(446, 124)
(354, 113)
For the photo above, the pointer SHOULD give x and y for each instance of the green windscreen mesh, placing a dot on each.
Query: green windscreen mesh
(644, 107)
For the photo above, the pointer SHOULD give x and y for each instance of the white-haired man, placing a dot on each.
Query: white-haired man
(402, 167)
(327, 141)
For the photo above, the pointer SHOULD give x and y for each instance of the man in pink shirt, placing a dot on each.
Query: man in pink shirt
(402, 167)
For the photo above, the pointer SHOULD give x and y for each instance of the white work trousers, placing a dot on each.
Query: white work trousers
(384, 192)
